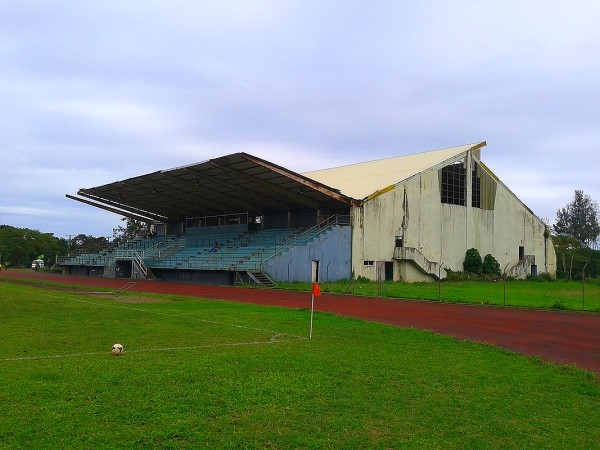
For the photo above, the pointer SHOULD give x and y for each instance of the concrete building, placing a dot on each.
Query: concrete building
(403, 218)
(420, 213)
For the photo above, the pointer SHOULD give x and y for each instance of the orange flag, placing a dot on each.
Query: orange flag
(316, 290)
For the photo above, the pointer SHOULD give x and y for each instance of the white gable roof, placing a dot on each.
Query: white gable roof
(363, 179)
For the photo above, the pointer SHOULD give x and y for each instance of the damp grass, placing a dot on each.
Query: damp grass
(207, 374)
(557, 294)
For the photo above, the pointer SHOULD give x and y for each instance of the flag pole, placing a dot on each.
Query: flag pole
(316, 291)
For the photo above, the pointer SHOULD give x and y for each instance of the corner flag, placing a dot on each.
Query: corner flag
(316, 290)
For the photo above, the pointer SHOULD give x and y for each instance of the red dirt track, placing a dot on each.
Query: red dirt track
(562, 337)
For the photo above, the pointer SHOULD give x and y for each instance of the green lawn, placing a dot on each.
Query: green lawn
(558, 294)
(208, 374)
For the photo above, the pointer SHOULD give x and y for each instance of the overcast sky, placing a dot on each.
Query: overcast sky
(93, 92)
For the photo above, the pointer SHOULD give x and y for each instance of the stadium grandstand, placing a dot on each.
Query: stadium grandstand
(239, 218)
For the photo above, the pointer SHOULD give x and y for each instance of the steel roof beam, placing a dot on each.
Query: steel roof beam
(229, 201)
(297, 198)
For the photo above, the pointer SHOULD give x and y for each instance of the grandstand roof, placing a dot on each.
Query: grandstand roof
(230, 184)
(241, 182)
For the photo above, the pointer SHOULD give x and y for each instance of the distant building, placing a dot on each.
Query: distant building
(403, 218)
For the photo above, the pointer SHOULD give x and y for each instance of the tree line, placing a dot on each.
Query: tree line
(19, 247)
(576, 232)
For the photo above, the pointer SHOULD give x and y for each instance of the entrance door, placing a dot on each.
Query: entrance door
(389, 271)
(315, 271)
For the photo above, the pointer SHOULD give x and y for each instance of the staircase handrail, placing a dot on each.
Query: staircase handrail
(414, 254)
(132, 255)
(302, 238)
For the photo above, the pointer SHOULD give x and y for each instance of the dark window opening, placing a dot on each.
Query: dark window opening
(521, 253)
(475, 190)
(453, 181)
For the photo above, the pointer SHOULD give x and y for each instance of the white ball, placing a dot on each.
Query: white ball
(117, 350)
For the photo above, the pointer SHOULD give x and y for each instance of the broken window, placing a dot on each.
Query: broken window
(453, 184)
(483, 188)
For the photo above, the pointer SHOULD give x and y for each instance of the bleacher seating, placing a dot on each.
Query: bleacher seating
(239, 249)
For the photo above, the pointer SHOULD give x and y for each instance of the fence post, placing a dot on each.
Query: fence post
(440, 283)
(505, 283)
(583, 286)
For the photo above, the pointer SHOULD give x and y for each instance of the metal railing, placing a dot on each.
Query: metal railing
(83, 260)
(134, 256)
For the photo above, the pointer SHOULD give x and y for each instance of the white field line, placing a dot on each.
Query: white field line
(108, 305)
(273, 340)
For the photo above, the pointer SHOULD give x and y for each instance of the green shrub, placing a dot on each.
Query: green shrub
(473, 262)
(490, 266)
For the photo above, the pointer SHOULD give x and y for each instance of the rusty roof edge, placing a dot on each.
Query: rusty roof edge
(308, 182)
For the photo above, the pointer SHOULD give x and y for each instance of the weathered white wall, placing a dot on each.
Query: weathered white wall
(410, 272)
(442, 232)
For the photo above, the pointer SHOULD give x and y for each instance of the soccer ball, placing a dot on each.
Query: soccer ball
(117, 350)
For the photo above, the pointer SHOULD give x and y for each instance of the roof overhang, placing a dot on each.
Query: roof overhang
(229, 184)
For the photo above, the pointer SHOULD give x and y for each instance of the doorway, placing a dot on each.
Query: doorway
(315, 271)
(389, 271)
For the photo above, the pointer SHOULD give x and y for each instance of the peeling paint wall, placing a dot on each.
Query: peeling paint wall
(444, 232)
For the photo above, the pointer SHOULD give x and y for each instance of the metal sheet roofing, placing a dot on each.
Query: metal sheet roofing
(361, 180)
(234, 183)
(241, 182)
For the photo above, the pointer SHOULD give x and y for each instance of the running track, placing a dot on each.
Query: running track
(562, 337)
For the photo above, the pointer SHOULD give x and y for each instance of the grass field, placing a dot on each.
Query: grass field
(559, 294)
(209, 374)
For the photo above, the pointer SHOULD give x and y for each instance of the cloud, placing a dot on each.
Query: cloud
(94, 92)
(26, 211)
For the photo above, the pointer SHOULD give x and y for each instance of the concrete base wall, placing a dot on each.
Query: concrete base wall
(217, 278)
(411, 273)
(331, 251)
